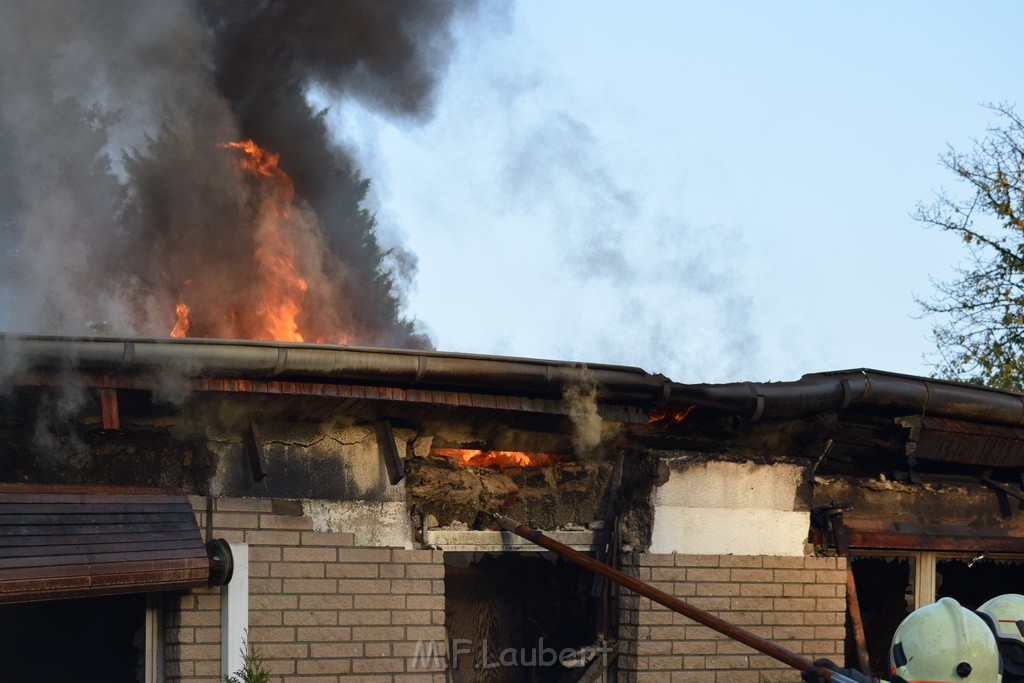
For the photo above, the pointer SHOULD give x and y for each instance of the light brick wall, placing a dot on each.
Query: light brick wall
(796, 602)
(320, 609)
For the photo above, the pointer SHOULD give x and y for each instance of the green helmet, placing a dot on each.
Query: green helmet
(944, 643)
(1005, 616)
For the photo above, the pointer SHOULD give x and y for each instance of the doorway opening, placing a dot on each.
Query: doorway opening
(514, 617)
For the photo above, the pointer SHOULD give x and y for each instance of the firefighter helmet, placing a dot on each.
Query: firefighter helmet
(944, 643)
(1005, 616)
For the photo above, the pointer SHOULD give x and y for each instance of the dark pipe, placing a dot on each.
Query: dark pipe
(252, 359)
(744, 636)
(750, 400)
(840, 390)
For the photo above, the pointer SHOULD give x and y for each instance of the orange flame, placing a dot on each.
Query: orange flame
(258, 160)
(501, 459)
(181, 327)
(281, 289)
(667, 418)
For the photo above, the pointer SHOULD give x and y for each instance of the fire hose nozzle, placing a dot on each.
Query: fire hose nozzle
(506, 523)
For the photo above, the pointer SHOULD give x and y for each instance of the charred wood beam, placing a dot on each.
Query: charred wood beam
(254, 452)
(108, 408)
(389, 452)
(1003, 495)
(856, 620)
(878, 535)
(609, 551)
(1001, 487)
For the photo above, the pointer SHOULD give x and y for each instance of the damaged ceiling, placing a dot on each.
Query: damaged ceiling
(860, 423)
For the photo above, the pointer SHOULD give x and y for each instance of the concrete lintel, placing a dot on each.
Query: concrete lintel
(492, 541)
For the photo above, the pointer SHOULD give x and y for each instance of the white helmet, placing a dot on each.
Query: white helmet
(1005, 616)
(944, 643)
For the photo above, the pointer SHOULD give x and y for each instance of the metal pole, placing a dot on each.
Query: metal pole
(744, 636)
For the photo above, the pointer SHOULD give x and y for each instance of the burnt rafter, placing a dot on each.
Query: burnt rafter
(805, 437)
(254, 452)
(963, 442)
(109, 409)
(1003, 494)
(389, 451)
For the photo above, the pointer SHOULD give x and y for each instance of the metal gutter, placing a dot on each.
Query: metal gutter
(882, 391)
(268, 360)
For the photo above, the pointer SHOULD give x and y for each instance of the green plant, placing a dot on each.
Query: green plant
(252, 670)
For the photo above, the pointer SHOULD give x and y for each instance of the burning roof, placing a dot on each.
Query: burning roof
(163, 168)
(852, 413)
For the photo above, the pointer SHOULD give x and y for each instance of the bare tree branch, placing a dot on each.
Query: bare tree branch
(979, 328)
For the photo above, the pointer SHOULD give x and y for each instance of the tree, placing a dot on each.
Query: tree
(980, 332)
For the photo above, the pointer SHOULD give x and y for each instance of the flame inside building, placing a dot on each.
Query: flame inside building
(279, 285)
(475, 457)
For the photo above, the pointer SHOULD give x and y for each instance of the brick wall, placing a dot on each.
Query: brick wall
(797, 602)
(320, 609)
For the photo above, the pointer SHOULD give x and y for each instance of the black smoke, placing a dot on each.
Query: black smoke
(118, 200)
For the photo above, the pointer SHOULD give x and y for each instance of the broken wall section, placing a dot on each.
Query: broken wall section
(581, 489)
(549, 497)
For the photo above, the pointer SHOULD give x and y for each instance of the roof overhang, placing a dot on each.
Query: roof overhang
(73, 541)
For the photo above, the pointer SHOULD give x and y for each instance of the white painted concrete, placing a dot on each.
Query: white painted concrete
(374, 523)
(721, 531)
(728, 508)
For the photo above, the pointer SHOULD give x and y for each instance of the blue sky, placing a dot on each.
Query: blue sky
(712, 191)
